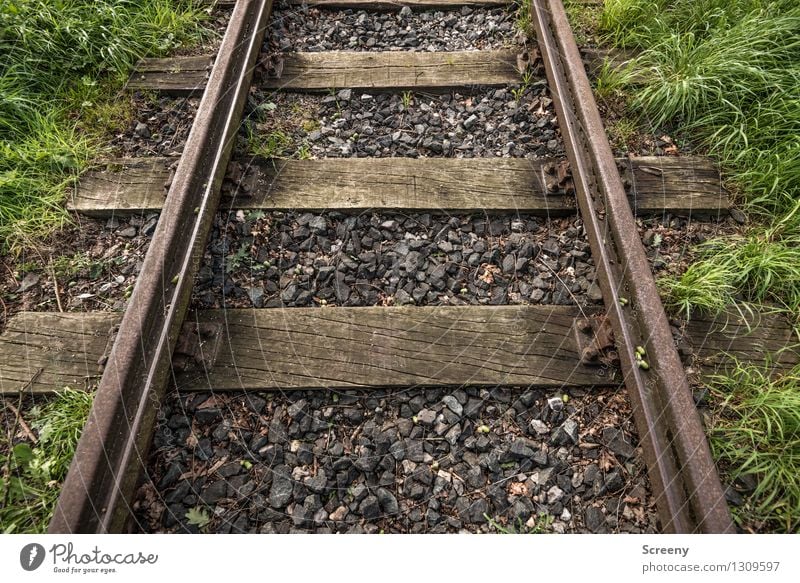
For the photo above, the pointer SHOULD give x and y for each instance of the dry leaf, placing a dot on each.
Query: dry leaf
(518, 489)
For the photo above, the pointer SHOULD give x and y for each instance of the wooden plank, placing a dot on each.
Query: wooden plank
(175, 75)
(357, 70)
(338, 69)
(679, 185)
(45, 352)
(369, 347)
(395, 70)
(754, 338)
(397, 4)
(325, 347)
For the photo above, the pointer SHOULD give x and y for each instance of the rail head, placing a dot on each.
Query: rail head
(685, 481)
(96, 494)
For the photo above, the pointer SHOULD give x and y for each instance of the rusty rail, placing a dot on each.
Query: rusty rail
(685, 482)
(96, 494)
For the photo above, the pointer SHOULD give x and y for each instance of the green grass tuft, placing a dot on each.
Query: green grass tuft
(727, 72)
(756, 434)
(542, 524)
(759, 267)
(32, 474)
(62, 64)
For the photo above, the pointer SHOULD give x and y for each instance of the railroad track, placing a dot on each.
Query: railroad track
(543, 346)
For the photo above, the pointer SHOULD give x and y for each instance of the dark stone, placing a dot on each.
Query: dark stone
(414, 450)
(207, 416)
(204, 451)
(302, 514)
(478, 511)
(566, 434)
(317, 483)
(281, 491)
(594, 519)
(398, 450)
(255, 403)
(614, 482)
(298, 409)
(518, 450)
(170, 477)
(539, 457)
(214, 492)
(277, 431)
(305, 455)
(387, 501)
(614, 439)
(733, 497)
(521, 510)
(473, 408)
(367, 461)
(370, 508)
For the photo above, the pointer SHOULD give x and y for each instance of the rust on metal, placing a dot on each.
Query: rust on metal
(684, 479)
(96, 494)
(197, 347)
(594, 336)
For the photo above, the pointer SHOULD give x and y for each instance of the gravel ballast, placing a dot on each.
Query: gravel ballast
(418, 460)
(306, 259)
(506, 122)
(305, 29)
(160, 127)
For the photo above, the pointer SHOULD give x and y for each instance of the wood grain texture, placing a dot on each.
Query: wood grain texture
(374, 347)
(680, 185)
(324, 347)
(397, 4)
(45, 352)
(758, 338)
(395, 70)
(174, 75)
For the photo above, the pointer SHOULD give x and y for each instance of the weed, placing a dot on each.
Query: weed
(32, 474)
(704, 286)
(610, 80)
(755, 434)
(407, 97)
(309, 125)
(621, 132)
(729, 71)
(238, 259)
(583, 19)
(304, 152)
(524, 20)
(759, 267)
(198, 517)
(63, 63)
(270, 145)
(70, 265)
(540, 525)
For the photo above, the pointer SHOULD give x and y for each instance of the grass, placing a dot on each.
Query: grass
(758, 267)
(541, 525)
(274, 144)
(756, 435)
(726, 74)
(63, 65)
(32, 474)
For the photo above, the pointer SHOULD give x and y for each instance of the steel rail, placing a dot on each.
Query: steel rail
(111, 452)
(685, 482)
